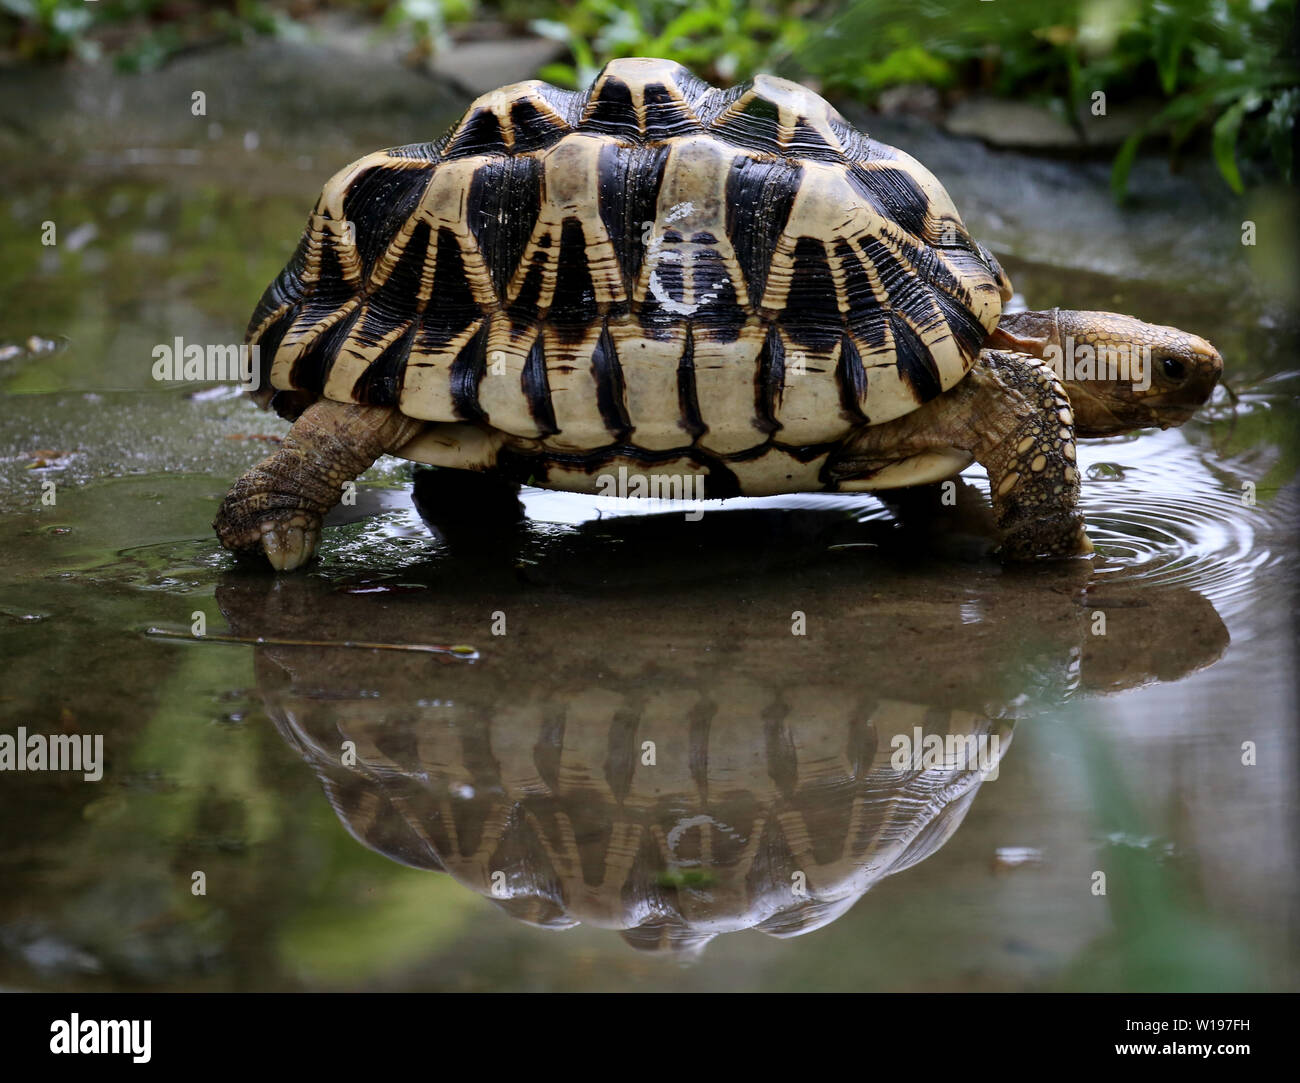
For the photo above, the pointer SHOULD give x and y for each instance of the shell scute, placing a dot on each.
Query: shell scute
(513, 119)
(780, 117)
(639, 100)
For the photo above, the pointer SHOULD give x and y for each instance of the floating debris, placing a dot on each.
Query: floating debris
(43, 457)
(1016, 857)
(460, 652)
(35, 346)
(1162, 848)
(380, 588)
(1105, 472)
(215, 394)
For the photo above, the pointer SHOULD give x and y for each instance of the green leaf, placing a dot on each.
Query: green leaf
(1123, 164)
(559, 75)
(1168, 54)
(1226, 129)
(1280, 128)
(687, 24)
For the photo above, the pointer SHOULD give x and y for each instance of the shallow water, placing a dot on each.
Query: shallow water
(502, 796)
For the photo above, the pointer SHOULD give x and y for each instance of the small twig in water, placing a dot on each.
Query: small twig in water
(460, 652)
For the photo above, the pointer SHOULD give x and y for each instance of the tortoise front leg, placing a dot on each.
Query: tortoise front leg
(277, 507)
(1033, 472)
(1011, 413)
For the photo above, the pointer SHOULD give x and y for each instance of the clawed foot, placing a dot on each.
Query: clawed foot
(1050, 537)
(286, 539)
(290, 547)
(284, 547)
(275, 510)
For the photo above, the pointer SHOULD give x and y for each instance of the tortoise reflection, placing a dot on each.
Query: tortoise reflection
(649, 748)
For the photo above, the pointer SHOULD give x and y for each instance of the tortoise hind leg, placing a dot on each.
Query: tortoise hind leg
(1012, 414)
(277, 507)
(476, 512)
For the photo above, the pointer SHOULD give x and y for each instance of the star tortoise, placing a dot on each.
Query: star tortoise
(720, 293)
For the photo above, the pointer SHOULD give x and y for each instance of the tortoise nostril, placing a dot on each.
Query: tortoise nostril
(1173, 368)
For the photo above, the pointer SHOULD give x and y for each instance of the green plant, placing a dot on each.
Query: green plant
(47, 28)
(723, 39)
(1217, 69)
(1229, 77)
(1219, 65)
(425, 22)
(142, 34)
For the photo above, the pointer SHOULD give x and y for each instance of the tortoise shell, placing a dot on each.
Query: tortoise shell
(524, 814)
(652, 265)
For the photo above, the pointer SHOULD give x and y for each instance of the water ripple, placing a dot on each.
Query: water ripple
(1165, 517)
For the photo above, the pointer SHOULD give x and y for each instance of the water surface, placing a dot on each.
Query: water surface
(414, 819)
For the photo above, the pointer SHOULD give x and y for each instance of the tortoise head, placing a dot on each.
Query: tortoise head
(1120, 373)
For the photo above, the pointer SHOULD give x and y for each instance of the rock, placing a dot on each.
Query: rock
(1031, 126)
(479, 66)
(1011, 124)
(915, 98)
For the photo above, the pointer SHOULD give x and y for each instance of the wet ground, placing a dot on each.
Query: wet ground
(648, 765)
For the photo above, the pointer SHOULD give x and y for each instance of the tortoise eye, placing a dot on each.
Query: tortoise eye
(1173, 368)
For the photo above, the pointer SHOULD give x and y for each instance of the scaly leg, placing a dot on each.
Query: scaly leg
(1012, 414)
(277, 507)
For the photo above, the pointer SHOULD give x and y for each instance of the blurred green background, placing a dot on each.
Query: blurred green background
(1207, 76)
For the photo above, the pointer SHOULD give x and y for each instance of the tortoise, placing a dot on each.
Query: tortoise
(712, 293)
